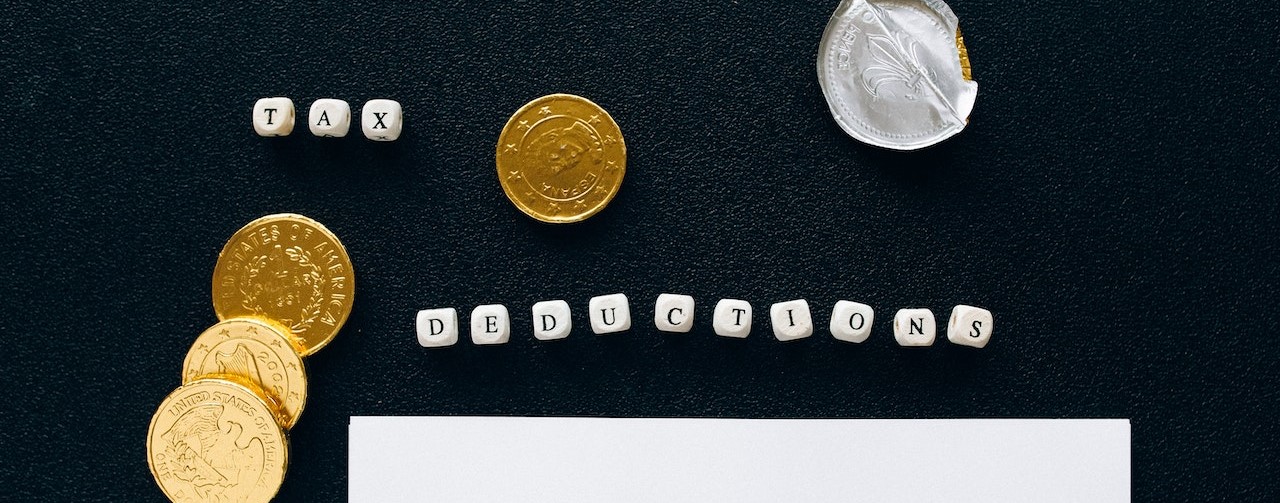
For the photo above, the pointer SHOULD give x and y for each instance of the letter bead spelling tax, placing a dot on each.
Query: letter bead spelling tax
(273, 116)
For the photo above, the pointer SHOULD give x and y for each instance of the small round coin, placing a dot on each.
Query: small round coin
(561, 158)
(896, 73)
(253, 352)
(291, 270)
(215, 440)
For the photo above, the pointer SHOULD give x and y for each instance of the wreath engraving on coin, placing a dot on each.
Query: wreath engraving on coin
(561, 158)
(216, 441)
(288, 269)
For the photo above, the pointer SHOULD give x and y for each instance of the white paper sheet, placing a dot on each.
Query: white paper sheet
(533, 460)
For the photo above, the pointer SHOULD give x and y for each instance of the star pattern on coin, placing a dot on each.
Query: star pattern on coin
(277, 343)
(292, 365)
(224, 333)
(584, 135)
(510, 149)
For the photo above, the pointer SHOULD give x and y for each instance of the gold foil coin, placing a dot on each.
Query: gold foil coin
(256, 353)
(561, 158)
(215, 440)
(288, 269)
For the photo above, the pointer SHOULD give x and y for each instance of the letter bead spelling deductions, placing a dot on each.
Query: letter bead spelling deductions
(851, 321)
(673, 313)
(914, 327)
(551, 320)
(969, 326)
(610, 314)
(732, 318)
(791, 320)
(438, 327)
(490, 324)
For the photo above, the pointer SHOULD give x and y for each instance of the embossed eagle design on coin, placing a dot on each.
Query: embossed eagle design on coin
(561, 158)
(215, 440)
(254, 352)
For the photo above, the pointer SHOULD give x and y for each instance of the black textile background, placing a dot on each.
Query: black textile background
(1113, 202)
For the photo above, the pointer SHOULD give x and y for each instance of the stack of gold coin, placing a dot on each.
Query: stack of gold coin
(282, 288)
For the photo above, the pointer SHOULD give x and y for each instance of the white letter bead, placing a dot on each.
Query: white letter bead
(381, 120)
(551, 320)
(490, 324)
(673, 313)
(791, 320)
(273, 117)
(438, 327)
(732, 318)
(329, 117)
(970, 326)
(851, 321)
(914, 327)
(609, 314)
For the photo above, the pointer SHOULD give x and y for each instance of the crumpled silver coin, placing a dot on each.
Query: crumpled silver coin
(895, 72)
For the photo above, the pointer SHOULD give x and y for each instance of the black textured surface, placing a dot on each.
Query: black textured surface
(1113, 202)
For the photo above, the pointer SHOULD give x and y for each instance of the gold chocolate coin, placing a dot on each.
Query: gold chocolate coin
(561, 158)
(254, 352)
(215, 440)
(288, 269)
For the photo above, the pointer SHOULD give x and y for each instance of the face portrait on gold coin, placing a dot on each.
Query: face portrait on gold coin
(563, 147)
(560, 158)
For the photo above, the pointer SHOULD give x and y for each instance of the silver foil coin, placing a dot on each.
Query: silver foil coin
(895, 72)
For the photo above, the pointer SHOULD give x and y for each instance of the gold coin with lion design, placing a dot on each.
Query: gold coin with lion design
(288, 269)
(253, 352)
(215, 440)
(561, 158)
